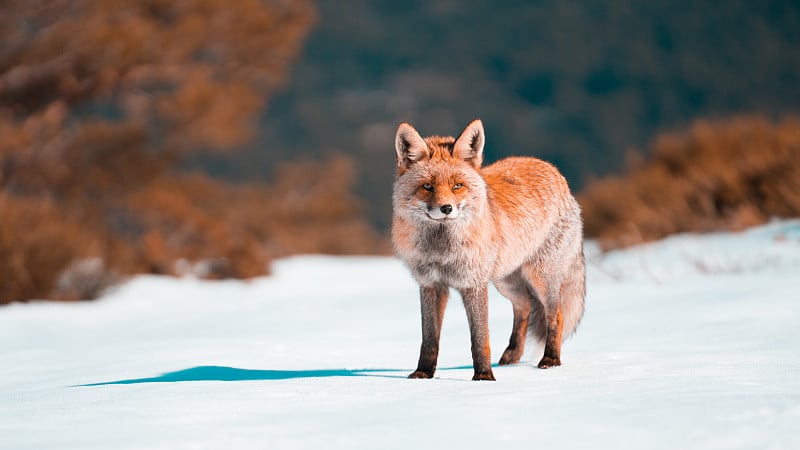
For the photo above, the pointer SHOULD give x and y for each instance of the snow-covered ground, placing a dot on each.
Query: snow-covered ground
(692, 342)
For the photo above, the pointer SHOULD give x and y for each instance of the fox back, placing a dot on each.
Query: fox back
(514, 223)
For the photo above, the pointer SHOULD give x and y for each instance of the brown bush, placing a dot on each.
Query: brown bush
(37, 241)
(100, 100)
(180, 224)
(191, 218)
(718, 175)
(312, 210)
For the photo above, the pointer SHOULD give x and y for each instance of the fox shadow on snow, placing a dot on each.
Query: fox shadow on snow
(221, 373)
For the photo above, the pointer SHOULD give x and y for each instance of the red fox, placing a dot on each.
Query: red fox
(514, 223)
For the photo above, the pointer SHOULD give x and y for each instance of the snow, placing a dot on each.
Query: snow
(691, 342)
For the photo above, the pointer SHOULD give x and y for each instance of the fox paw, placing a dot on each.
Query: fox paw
(417, 374)
(510, 356)
(547, 362)
(484, 376)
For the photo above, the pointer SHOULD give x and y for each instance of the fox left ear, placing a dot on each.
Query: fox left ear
(469, 145)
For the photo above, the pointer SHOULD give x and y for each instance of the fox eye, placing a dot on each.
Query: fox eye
(427, 187)
(457, 186)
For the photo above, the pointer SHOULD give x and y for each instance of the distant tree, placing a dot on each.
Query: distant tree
(100, 99)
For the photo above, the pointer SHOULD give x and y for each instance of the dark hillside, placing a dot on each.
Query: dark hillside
(578, 83)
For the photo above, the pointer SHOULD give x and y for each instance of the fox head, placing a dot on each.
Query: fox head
(438, 178)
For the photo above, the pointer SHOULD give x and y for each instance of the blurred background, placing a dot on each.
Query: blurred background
(209, 137)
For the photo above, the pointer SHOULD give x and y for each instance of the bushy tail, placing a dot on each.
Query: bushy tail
(573, 292)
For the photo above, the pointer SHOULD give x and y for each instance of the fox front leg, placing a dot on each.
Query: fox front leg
(476, 302)
(433, 300)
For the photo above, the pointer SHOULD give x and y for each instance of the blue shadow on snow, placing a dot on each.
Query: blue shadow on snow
(220, 373)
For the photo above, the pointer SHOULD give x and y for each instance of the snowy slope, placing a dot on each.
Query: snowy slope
(692, 342)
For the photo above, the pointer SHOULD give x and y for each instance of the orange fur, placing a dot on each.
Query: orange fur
(514, 223)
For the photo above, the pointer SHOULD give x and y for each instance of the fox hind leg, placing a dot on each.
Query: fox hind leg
(546, 322)
(552, 346)
(516, 289)
(563, 313)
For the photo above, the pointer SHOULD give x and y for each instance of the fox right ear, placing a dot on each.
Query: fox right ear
(409, 145)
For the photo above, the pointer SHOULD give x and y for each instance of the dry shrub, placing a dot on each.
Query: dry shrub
(70, 194)
(192, 218)
(235, 230)
(724, 175)
(37, 242)
(179, 224)
(100, 101)
(312, 210)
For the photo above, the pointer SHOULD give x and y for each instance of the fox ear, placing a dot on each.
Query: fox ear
(469, 145)
(409, 145)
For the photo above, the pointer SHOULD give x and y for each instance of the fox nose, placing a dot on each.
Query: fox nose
(446, 209)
